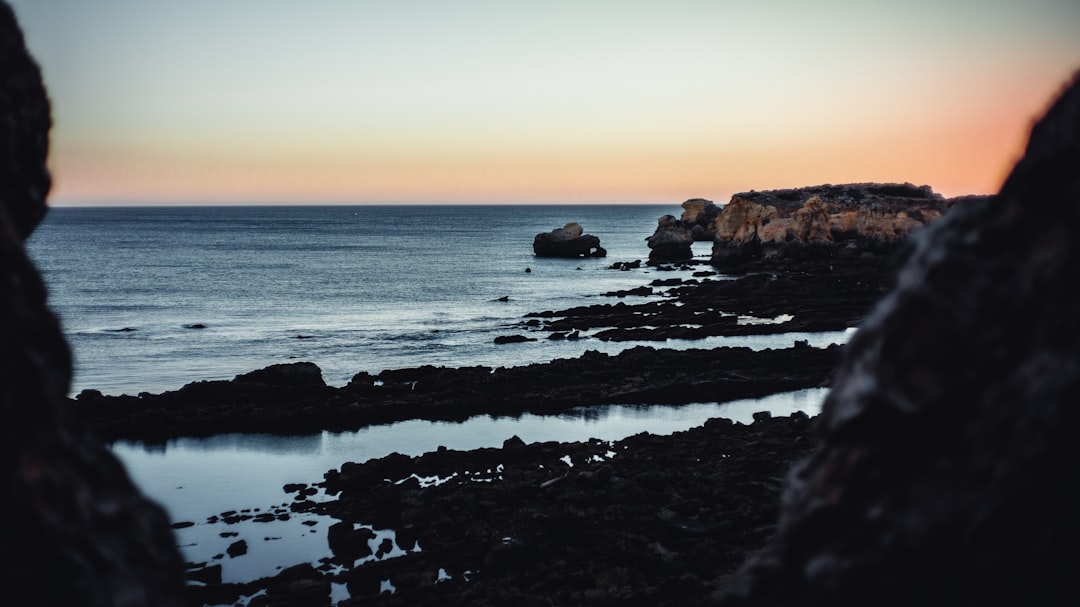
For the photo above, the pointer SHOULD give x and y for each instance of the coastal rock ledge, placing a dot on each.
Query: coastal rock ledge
(823, 221)
(568, 241)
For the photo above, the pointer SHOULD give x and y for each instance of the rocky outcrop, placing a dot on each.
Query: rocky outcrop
(568, 241)
(670, 241)
(699, 216)
(647, 520)
(73, 528)
(823, 221)
(947, 463)
(637, 375)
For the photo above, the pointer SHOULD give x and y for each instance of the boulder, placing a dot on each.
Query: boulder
(299, 374)
(348, 543)
(670, 241)
(568, 241)
(75, 529)
(947, 443)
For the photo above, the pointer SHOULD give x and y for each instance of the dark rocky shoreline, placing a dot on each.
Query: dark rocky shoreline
(634, 522)
(648, 520)
(937, 473)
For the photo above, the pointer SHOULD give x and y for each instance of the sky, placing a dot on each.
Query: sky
(428, 101)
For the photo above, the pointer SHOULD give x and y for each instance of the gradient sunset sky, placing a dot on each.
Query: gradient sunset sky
(198, 101)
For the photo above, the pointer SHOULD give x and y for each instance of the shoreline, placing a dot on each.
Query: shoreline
(292, 398)
(641, 487)
(589, 521)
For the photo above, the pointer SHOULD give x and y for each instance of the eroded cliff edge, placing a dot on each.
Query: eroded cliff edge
(824, 221)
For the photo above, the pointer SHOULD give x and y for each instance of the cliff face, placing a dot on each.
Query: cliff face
(947, 458)
(822, 220)
(73, 529)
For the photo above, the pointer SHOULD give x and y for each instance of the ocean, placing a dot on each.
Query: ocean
(152, 298)
(350, 288)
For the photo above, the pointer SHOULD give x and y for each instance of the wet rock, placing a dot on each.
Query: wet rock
(512, 339)
(299, 374)
(237, 548)
(568, 241)
(348, 543)
(299, 585)
(206, 575)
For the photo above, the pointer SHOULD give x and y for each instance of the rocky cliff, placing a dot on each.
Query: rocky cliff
(73, 528)
(699, 216)
(821, 221)
(947, 459)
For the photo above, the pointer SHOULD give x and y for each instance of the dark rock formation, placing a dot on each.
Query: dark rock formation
(823, 221)
(947, 465)
(299, 374)
(73, 528)
(699, 216)
(638, 375)
(670, 241)
(647, 520)
(568, 241)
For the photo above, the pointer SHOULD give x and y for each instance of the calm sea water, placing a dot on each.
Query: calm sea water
(352, 289)
(357, 288)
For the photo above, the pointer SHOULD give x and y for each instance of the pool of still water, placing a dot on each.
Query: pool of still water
(199, 478)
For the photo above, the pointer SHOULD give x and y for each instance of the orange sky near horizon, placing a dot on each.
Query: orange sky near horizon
(367, 102)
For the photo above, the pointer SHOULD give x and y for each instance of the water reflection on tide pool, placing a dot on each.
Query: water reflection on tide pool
(198, 478)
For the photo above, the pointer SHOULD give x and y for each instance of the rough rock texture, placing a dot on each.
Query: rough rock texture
(699, 216)
(948, 464)
(648, 520)
(822, 221)
(637, 375)
(567, 241)
(73, 529)
(670, 242)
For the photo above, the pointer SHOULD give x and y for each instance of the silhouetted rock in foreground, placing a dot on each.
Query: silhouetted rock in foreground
(73, 529)
(568, 241)
(947, 468)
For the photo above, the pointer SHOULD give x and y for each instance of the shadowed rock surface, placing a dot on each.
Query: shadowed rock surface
(567, 241)
(947, 467)
(648, 520)
(73, 529)
(670, 242)
(640, 375)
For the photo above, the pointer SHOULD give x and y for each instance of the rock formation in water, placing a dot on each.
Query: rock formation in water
(822, 221)
(670, 242)
(947, 464)
(567, 241)
(73, 528)
(699, 216)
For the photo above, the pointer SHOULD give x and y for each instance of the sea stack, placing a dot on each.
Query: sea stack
(699, 216)
(670, 242)
(568, 241)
